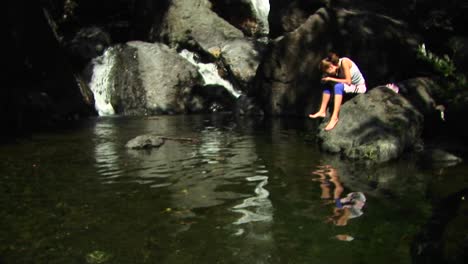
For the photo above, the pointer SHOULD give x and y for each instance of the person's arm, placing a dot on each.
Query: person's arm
(346, 65)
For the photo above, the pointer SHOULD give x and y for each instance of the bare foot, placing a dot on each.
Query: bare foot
(331, 124)
(318, 114)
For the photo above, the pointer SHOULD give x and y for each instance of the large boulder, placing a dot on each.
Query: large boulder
(419, 92)
(242, 57)
(166, 77)
(378, 126)
(192, 24)
(286, 16)
(250, 16)
(288, 78)
(147, 78)
(285, 79)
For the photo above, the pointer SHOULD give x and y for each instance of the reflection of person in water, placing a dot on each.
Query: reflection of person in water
(345, 208)
(325, 183)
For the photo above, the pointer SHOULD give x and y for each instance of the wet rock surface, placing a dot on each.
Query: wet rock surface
(145, 142)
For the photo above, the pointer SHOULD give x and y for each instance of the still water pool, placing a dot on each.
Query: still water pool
(242, 191)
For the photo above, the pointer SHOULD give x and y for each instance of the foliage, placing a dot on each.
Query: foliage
(97, 257)
(443, 65)
(455, 82)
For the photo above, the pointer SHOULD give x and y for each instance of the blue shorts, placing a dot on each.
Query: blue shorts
(340, 88)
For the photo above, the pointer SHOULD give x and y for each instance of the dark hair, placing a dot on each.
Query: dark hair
(331, 59)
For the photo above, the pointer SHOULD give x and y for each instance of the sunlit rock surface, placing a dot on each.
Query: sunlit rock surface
(378, 126)
(144, 78)
(192, 22)
(145, 142)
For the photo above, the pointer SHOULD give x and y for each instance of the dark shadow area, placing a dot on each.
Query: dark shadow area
(286, 16)
(41, 90)
(237, 13)
(431, 244)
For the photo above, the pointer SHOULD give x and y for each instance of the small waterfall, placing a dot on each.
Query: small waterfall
(102, 82)
(262, 9)
(209, 72)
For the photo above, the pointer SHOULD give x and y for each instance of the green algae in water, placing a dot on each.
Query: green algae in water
(97, 257)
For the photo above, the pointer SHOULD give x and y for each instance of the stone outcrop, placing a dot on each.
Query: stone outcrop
(166, 77)
(145, 142)
(378, 126)
(286, 16)
(150, 78)
(289, 76)
(250, 16)
(194, 25)
(40, 87)
(242, 57)
(192, 22)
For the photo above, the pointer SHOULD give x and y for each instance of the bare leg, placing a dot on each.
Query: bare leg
(336, 112)
(323, 107)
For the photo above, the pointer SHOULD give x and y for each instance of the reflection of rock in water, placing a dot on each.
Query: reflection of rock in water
(105, 152)
(443, 239)
(254, 226)
(396, 179)
(258, 207)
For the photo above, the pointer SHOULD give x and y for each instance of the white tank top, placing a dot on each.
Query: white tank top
(356, 75)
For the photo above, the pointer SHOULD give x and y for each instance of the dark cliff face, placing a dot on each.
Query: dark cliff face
(45, 56)
(286, 16)
(40, 87)
(124, 19)
(435, 20)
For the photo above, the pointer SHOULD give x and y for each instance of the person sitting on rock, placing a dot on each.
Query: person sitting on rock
(346, 77)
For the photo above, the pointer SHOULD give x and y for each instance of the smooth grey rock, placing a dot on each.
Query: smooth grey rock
(243, 57)
(192, 22)
(145, 142)
(439, 155)
(150, 78)
(377, 126)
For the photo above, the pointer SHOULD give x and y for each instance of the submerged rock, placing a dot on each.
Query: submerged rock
(439, 158)
(439, 155)
(145, 142)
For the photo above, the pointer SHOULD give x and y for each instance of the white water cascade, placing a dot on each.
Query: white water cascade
(209, 72)
(102, 82)
(262, 9)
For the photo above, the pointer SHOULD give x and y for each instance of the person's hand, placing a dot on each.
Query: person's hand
(326, 79)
